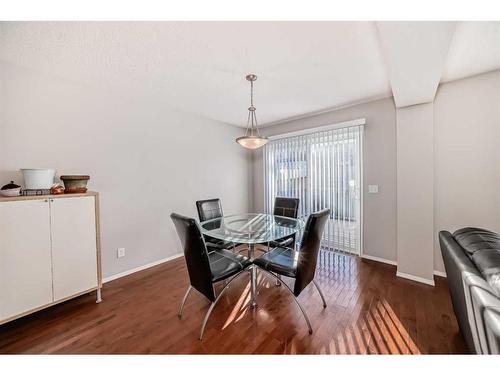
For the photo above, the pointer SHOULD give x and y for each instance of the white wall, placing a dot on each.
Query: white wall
(466, 165)
(379, 159)
(467, 155)
(2, 107)
(415, 191)
(145, 160)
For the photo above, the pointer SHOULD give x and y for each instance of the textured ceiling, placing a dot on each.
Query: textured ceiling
(475, 49)
(200, 67)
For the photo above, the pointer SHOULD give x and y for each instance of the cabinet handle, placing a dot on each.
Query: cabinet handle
(52, 200)
(45, 200)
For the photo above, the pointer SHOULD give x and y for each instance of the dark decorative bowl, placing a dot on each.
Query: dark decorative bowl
(75, 183)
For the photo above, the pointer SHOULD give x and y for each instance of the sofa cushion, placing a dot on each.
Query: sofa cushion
(488, 263)
(476, 239)
(483, 248)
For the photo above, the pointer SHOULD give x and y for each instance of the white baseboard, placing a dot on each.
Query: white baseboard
(140, 268)
(394, 263)
(440, 273)
(365, 256)
(415, 278)
(381, 260)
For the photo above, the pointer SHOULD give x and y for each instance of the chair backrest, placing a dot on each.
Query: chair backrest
(195, 252)
(209, 209)
(288, 207)
(309, 247)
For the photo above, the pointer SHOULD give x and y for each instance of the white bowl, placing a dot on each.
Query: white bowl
(11, 192)
(38, 178)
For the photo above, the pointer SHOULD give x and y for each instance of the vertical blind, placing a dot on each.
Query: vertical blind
(323, 170)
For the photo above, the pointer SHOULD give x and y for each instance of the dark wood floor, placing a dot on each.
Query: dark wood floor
(369, 310)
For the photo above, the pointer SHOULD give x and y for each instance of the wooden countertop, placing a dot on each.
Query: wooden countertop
(47, 196)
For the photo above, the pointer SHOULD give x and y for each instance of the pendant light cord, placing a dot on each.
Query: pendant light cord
(251, 93)
(252, 117)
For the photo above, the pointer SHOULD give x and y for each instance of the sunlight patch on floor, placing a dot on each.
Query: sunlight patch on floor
(378, 330)
(240, 307)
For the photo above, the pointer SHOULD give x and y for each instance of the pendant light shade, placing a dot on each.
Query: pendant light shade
(252, 138)
(252, 142)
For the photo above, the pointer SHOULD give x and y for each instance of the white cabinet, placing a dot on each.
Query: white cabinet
(49, 251)
(25, 261)
(74, 261)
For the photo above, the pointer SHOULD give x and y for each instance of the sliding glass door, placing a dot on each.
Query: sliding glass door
(323, 170)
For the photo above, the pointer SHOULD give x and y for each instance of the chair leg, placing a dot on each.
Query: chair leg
(207, 315)
(184, 301)
(205, 320)
(296, 301)
(320, 293)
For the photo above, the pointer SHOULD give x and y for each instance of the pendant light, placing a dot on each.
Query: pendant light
(252, 138)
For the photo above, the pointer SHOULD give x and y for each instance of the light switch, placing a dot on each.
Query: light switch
(373, 189)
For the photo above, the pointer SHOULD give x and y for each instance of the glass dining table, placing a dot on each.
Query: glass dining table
(251, 229)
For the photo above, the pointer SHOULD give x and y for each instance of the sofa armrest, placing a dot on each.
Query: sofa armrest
(486, 308)
(458, 268)
(492, 320)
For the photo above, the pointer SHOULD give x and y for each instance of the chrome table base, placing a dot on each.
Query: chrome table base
(253, 278)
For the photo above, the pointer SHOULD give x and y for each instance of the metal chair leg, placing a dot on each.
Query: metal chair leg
(207, 315)
(296, 301)
(320, 293)
(184, 301)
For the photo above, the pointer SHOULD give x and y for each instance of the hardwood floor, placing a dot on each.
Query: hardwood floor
(370, 310)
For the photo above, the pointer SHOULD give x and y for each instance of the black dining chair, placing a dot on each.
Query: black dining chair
(299, 265)
(288, 207)
(206, 268)
(209, 209)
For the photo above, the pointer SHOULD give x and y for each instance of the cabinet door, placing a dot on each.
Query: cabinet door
(25, 261)
(74, 258)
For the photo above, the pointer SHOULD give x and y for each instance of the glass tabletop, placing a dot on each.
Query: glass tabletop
(251, 228)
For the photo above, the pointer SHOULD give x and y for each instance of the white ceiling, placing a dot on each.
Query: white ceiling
(475, 49)
(415, 54)
(302, 67)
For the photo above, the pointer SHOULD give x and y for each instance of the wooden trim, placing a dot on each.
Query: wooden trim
(98, 239)
(47, 196)
(47, 305)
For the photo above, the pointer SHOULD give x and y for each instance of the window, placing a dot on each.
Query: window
(323, 170)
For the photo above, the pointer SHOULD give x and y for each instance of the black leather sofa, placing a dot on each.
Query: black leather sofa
(472, 261)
